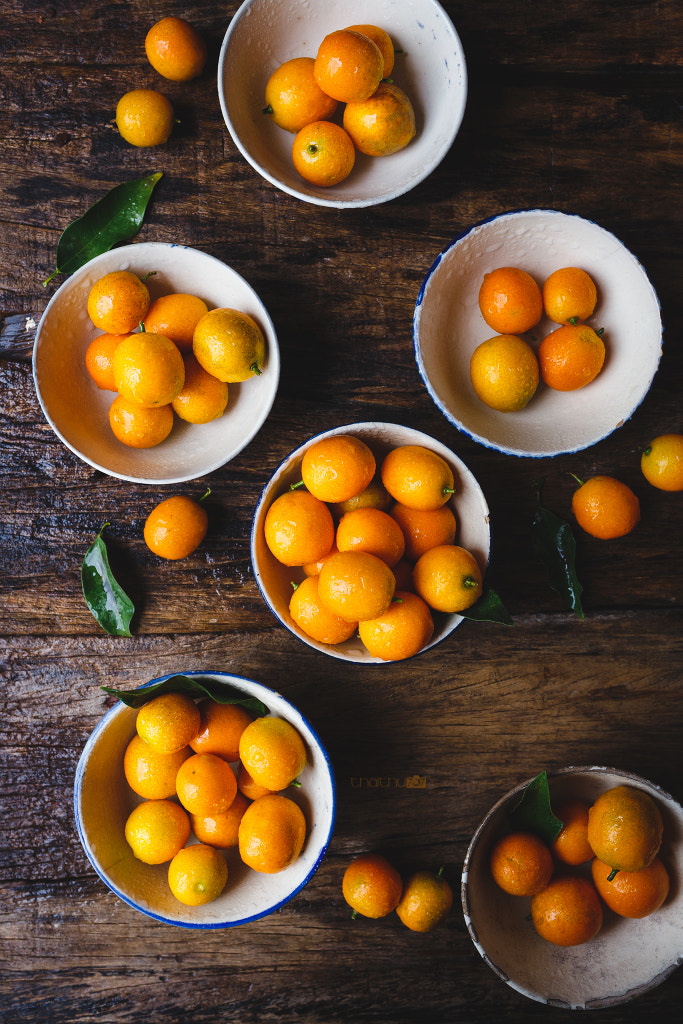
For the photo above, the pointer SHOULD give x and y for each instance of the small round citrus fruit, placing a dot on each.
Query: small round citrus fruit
(311, 615)
(417, 477)
(176, 527)
(605, 507)
(571, 845)
(633, 894)
(625, 828)
(510, 300)
(144, 117)
(323, 153)
(220, 830)
(313, 568)
(448, 578)
(504, 372)
(401, 631)
(356, 585)
(246, 785)
(205, 784)
(99, 360)
(375, 495)
(383, 40)
(150, 774)
(156, 830)
(176, 316)
(568, 911)
(168, 722)
(230, 345)
(220, 728)
(138, 427)
(271, 833)
(372, 886)
(348, 66)
(571, 357)
(338, 467)
(298, 528)
(424, 530)
(521, 864)
(294, 98)
(569, 296)
(175, 49)
(118, 302)
(662, 462)
(273, 752)
(427, 899)
(370, 529)
(148, 370)
(203, 397)
(383, 123)
(197, 875)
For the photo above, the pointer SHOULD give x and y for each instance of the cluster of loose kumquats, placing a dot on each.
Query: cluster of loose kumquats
(620, 835)
(505, 370)
(377, 551)
(180, 360)
(228, 771)
(373, 888)
(352, 66)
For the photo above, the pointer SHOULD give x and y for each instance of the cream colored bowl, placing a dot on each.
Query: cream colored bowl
(103, 800)
(431, 69)
(626, 958)
(275, 580)
(78, 411)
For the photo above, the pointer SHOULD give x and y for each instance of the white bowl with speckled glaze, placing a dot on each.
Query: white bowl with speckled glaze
(275, 579)
(625, 959)
(448, 326)
(103, 800)
(78, 411)
(430, 68)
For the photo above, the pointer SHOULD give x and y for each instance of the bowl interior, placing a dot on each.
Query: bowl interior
(448, 326)
(468, 504)
(77, 410)
(626, 958)
(431, 69)
(103, 800)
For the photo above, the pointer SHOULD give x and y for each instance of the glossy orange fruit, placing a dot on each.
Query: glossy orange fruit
(176, 316)
(230, 345)
(417, 477)
(372, 886)
(323, 153)
(370, 529)
(521, 864)
(168, 722)
(311, 615)
(175, 49)
(144, 117)
(156, 829)
(220, 728)
(401, 631)
(273, 752)
(150, 774)
(348, 66)
(246, 785)
(298, 528)
(203, 397)
(571, 846)
(424, 530)
(99, 360)
(175, 527)
(375, 495)
(337, 468)
(383, 41)
(567, 912)
(510, 300)
(571, 357)
(504, 372)
(356, 585)
(632, 894)
(625, 828)
(148, 370)
(271, 833)
(197, 875)
(662, 462)
(569, 296)
(138, 427)
(313, 568)
(448, 578)
(605, 507)
(118, 302)
(205, 784)
(382, 124)
(294, 98)
(426, 901)
(220, 830)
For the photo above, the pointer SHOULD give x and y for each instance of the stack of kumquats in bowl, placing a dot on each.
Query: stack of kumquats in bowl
(537, 333)
(370, 540)
(571, 887)
(204, 800)
(348, 106)
(156, 363)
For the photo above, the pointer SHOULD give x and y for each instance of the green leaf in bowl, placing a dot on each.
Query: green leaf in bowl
(533, 813)
(217, 689)
(107, 601)
(555, 545)
(489, 608)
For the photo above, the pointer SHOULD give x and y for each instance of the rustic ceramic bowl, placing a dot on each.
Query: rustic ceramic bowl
(263, 34)
(448, 326)
(103, 800)
(275, 580)
(627, 957)
(78, 411)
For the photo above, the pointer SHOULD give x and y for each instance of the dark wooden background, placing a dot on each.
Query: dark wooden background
(573, 105)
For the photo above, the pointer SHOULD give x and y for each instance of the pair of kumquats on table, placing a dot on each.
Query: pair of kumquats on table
(179, 363)
(352, 67)
(377, 550)
(186, 751)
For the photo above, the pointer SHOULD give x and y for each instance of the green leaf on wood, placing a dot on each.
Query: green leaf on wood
(533, 813)
(109, 604)
(218, 690)
(489, 608)
(554, 543)
(114, 218)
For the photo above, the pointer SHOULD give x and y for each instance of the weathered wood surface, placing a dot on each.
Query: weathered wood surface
(572, 106)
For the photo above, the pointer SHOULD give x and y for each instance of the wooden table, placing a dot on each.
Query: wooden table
(572, 106)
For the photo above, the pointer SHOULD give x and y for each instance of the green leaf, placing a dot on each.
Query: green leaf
(114, 218)
(110, 605)
(221, 692)
(489, 608)
(554, 543)
(533, 813)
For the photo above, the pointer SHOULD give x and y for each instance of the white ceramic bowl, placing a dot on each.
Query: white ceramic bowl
(77, 410)
(448, 326)
(263, 34)
(275, 579)
(103, 800)
(627, 957)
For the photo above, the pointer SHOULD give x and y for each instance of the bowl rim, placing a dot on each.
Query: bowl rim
(322, 200)
(501, 803)
(262, 692)
(273, 360)
(292, 456)
(417, 313)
